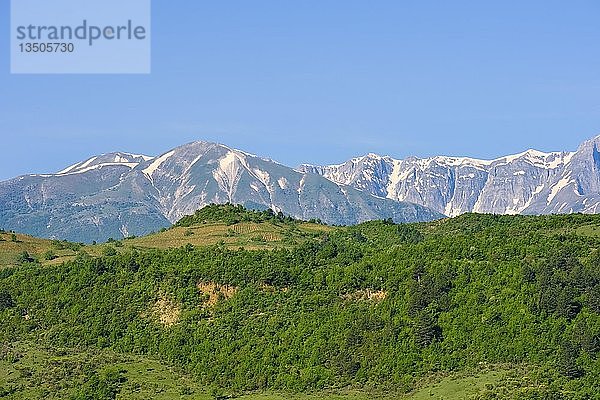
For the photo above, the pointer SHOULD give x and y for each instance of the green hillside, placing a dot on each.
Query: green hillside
(478, 307)
(228, 225)
(16, 248)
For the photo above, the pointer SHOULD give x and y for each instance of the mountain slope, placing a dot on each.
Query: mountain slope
(121, 194)
(84, 202)
(531, 182)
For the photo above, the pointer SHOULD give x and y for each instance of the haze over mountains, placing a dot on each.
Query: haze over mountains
(123, 194)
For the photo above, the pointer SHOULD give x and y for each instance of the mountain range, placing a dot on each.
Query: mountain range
(122, 194)
(531, 182)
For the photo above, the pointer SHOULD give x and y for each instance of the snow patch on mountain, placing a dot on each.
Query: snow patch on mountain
(99, 166)
(142, 156)
(150, 169)
(228, 173)
(69, 168)
(283, 183)
(557, 188)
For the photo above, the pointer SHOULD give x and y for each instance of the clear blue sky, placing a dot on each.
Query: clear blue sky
(321, 81)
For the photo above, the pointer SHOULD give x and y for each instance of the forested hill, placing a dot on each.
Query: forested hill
(378, 307)
(231, 214)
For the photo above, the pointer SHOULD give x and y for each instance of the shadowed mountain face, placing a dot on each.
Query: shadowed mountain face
(528, 183)
(121, 194)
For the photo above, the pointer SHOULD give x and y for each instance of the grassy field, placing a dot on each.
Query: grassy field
(11, 247)
(27, 372)
(249, 235)
(588, 230)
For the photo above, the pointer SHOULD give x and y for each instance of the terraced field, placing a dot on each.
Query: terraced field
(250, 235)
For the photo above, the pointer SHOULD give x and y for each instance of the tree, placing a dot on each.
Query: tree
(109, 251)
(25, 257)
(567, 361)
(103, 385)
(426, 329)
(6, 301)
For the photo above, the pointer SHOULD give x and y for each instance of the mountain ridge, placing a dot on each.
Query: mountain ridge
(530, 182)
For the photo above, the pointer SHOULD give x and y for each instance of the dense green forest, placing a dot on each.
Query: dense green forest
(377, 307)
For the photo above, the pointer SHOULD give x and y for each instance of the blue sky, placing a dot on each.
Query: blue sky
(322, 81)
